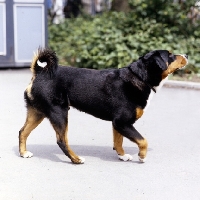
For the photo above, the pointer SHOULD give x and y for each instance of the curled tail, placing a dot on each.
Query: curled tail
(44, 60)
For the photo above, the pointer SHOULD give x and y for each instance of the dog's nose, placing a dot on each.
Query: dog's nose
(186, 56)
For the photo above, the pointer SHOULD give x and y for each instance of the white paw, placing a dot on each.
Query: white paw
(27, 154)
(143, 160)
(125, 157)
(82, 159)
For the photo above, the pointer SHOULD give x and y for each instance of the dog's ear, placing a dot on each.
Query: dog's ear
(160, 56)
(162, 59)
(164, 54)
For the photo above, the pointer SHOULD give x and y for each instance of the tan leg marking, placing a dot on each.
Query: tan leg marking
(142, 144)
(33, 119)
(62, 141)
(117, 142)
(139, 112)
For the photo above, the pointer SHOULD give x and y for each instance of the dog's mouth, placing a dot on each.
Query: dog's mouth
(183, 63)
(180, 62)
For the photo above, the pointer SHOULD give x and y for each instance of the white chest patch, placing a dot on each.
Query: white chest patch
(152, 93)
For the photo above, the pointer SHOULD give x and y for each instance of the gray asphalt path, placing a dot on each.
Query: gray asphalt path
(171, 125)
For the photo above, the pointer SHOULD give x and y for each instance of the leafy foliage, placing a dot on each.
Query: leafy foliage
(114, 39)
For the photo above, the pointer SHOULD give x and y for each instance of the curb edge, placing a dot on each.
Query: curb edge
(182, 84)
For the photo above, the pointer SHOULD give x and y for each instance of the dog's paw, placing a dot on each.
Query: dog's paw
(125, 157)
(27, 154)
(82, 160)
(78, 160)
(142, 160)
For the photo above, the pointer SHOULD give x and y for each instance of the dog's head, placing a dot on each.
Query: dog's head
(161, 63)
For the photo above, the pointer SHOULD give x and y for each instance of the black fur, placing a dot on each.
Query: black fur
(111, 94)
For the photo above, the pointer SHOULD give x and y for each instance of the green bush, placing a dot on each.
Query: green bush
(115, 39)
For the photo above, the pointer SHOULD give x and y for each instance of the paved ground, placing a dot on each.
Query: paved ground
(172, 171)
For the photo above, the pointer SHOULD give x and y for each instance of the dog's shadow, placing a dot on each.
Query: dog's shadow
(53, 152)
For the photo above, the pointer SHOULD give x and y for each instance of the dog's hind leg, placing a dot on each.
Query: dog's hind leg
(60, 125)
(131, 133)
(33, 119)
(117, 145)
(62, 142)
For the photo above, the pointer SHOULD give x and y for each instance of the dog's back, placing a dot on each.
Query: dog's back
(97, 92)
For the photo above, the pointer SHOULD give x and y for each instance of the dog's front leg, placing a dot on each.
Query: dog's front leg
(117, 145)
(33, 119)
(60, 125)
(131, 133)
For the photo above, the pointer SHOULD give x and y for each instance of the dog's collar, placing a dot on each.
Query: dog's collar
(150, 86)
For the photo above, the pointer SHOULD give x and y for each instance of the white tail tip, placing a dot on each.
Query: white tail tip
(42, 64)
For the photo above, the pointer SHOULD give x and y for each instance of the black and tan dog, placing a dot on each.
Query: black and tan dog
(117, 95)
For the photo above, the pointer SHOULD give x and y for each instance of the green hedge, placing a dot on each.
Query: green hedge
(114, 39)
